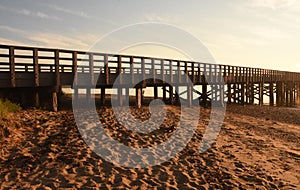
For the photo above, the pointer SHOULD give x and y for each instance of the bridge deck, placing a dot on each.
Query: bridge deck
(38, 67)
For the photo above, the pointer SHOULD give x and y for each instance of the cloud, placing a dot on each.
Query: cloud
(269, 33)
(272, 4)
(11, 29)
(12, 42)
(71, 12)
(61, 41)
(159, 18)
(27, 12)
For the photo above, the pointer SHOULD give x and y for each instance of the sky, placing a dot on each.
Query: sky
(253, 33)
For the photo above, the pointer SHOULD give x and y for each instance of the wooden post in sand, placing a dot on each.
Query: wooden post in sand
(204, 95)
(76, 93)
(286, 90)
(271, 93)
(171, 94)
(177, 99)
(164, 93)
(138, 97)
(243, 94)
(102, 98)
(36, 98)
(298, 94)
(261, 93)
(155, 92)
(54, 101)
(190, 95)
(278, 93)
(88, 94)
(127, 95)
(229, 93)
(120, 96)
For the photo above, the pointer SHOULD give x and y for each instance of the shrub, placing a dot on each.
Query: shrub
(7, 107)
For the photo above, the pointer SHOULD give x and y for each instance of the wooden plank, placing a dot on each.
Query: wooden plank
(153, 70)
(193, 73)
(12, 66)
(106, 69)
(91, 69)
(36, 67)
(179, 72)
(74, 68)
(132, 69)
(120, 68)
(171, 71)
(143, 69)
(271, 93)
(186, 71)
(162, 62)
(57, 72)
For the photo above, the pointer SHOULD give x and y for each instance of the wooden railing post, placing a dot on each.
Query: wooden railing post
(36, 67)
(132, 69)
(74, 68)
(106, 69)
(57, 72)
(120, 68)
(12, 66)
(91, 69)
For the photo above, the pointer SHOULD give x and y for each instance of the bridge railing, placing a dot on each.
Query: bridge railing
(23, 66)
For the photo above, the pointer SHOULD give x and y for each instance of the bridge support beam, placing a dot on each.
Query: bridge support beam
(54, 98)
(120, 96)
(155, 92)
(177, 99)
(271, 93)
(229, 93)
(171, 95)
(261, 93)
(189, 95)
(164, 93)
(138, 97)
(36, 98)
(102, 96)
(204, 95)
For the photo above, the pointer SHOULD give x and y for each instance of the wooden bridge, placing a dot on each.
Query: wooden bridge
(32, 75)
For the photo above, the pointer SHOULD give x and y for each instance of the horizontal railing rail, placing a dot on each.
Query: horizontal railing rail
(67, 64)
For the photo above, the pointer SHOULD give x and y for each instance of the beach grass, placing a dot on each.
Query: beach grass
(6, 107)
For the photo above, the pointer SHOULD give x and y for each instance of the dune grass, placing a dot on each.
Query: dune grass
(7, 107)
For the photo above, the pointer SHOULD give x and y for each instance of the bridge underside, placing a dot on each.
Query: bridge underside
(35, 76)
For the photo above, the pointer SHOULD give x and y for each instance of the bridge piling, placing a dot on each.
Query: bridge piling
(27, 75)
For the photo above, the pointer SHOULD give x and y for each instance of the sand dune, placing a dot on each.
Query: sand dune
(258, 147)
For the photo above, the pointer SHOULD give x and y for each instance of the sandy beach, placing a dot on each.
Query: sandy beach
(258, 147)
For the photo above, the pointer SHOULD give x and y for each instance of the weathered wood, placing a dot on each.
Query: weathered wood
(102, 98)
(91, 69)
(36, 67)
(106, 69)
(171, 95)
(271, 86)
(36, 98)
(138, 97)
(74, 68)
(120, 69)
(12, 66)
(229, 95)
(57, 72)
(190, 95)
(241, 81)
(54, 101)
(261, 93)
(120, 96)
(164, 93)
(155, 92)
